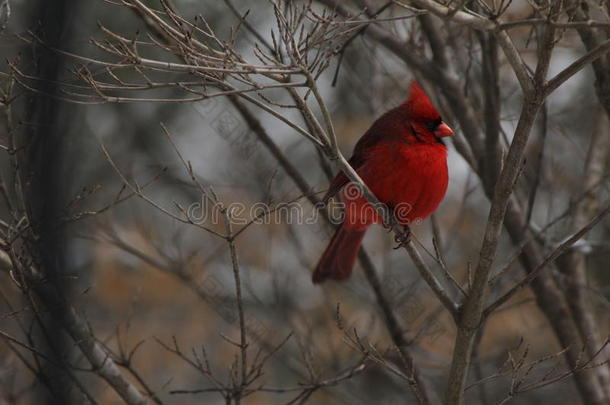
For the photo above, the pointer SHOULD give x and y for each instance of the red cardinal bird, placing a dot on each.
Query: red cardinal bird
(403, 160)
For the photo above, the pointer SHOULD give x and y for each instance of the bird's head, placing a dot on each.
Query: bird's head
(426, 122)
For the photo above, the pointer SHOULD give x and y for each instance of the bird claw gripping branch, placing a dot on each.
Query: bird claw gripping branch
(402, 239)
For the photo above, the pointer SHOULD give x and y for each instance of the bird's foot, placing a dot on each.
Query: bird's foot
(403, 238)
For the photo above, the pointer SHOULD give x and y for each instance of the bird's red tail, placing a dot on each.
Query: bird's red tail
(338, 259)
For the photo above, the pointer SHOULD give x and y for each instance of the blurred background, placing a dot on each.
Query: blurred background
(163, 290)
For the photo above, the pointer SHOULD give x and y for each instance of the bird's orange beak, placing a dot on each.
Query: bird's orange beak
(443, 130)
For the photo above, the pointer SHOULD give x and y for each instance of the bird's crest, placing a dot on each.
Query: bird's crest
(419, 105)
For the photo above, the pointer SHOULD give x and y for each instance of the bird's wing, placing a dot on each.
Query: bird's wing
(384, 129)
(358, 159)
(337, 184)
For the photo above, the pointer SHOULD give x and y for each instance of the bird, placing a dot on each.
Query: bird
(402, 158)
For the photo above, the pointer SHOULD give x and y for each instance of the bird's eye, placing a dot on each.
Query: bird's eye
(432, 125)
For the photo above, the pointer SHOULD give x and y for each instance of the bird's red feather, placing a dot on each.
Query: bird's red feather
(403, 161)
